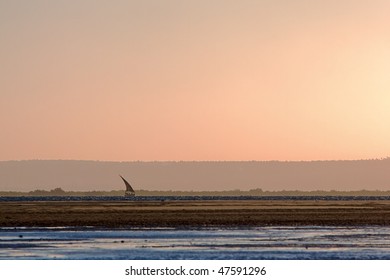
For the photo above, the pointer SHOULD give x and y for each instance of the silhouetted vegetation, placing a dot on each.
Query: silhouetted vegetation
(252, 192)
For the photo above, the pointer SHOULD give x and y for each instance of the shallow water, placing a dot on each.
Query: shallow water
(236, 243)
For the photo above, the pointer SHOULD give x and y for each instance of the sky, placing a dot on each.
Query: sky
(192, 80)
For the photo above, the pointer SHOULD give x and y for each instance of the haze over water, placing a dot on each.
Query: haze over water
(144, 85)
(372, 175)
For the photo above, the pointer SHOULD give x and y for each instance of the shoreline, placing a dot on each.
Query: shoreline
(192, 214)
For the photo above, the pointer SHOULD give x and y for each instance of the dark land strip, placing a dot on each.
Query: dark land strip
(178, 214)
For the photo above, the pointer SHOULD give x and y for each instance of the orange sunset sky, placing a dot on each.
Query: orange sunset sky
(194, 80)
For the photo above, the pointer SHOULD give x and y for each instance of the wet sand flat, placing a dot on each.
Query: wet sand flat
(226, 213)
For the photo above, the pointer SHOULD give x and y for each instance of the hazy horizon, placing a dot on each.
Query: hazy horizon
(197, 176)
(162, 161)
(216, 80)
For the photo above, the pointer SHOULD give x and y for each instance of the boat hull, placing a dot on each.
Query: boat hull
(129, 194)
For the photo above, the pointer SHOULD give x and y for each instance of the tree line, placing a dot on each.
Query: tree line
(237, 192)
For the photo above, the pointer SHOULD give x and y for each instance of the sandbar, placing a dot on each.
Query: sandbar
(193, 213)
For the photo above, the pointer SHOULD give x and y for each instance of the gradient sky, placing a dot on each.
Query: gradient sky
(194, 80)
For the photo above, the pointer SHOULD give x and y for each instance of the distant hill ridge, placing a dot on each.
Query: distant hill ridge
(74, 175)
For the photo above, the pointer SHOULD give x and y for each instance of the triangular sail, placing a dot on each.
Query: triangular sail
(128, 186)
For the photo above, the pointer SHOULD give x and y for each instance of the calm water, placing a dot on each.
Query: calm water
(236, 243)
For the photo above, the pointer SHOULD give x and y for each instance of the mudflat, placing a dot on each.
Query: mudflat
(197, 213)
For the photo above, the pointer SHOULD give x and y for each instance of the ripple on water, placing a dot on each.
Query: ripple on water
(218, 243)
